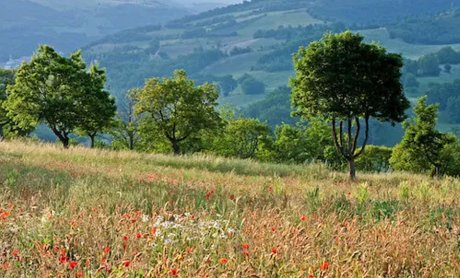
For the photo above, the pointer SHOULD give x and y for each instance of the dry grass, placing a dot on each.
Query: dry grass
(94, 213)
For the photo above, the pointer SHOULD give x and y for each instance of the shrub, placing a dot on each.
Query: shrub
(374, 159)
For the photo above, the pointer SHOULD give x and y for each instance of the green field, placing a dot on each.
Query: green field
(94, 213)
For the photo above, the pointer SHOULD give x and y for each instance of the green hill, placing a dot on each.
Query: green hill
(256, 38)
(67, 25)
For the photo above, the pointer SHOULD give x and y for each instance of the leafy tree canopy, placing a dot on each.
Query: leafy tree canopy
(177, 107)
(341, 78)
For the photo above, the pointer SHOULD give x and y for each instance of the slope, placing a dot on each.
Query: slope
(83, 212)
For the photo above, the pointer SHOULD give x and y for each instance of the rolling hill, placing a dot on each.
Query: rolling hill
(256, 38)
(68, 25)
(254, 41)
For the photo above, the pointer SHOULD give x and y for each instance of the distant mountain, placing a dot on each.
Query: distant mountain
(69, 24)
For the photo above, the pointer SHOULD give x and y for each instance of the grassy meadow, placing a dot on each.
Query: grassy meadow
(97, 213)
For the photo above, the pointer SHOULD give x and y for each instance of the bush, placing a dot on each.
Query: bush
(251, 86)
(374, 159)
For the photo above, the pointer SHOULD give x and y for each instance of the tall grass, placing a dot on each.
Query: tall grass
(95, 213)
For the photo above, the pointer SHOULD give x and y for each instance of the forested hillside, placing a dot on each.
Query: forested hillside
(246, 48)
(68, 25)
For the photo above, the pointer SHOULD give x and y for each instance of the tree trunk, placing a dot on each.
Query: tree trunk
(176, 147)
(1, 133)
(352, 168)
(62, 136)
(65, 142)
(92, 138)
(131, 141)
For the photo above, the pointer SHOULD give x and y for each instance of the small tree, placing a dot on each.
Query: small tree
(125, 131)
(98, 106)
(243, 138)
(346, 81)
(422, 146)
(177, 107)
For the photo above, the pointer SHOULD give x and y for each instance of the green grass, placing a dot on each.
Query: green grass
(96, 213)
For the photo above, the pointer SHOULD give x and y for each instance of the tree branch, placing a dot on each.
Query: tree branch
(365, 138)
(355, 141)
(334, 135)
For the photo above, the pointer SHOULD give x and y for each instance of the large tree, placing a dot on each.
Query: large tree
(98, 106)
(177, 107)
(53, 90)
(347, 82)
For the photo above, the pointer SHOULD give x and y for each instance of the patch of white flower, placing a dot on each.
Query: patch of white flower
(186, 228)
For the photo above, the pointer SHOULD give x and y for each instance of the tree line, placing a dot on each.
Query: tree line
(341, 84)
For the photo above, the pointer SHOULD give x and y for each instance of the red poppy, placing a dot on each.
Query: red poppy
(303, 218)
(209, 194)
(246, 253)
(125, 238)
(79, 274)
(139, 235)
(174, 271)
(245, 246)
(311, 275)
(103, 262)
(63, 259)
(153, 231)
(73, 264)
(127, 263)
(4, 215)
(15, 253)
(107, 249)
(273, 229)
(274, 250)
(223, 260)
(324, 266)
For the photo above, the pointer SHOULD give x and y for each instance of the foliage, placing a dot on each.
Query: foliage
(125, 131)
(304, 143)
(362, 13)
(274, 109)
(442, 94)
(98, 106)
(374, 159)
(429, 30)
(244, 138)
(8, 128)
(54, 90)
(226, 83)
(422, 146)
(280, 58)
(341, 79)
(177, 107)
(250, 85)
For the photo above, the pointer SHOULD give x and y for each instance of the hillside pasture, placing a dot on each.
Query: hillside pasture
(96, 213)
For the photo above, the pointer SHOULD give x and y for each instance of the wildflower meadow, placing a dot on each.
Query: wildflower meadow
(97, 213)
